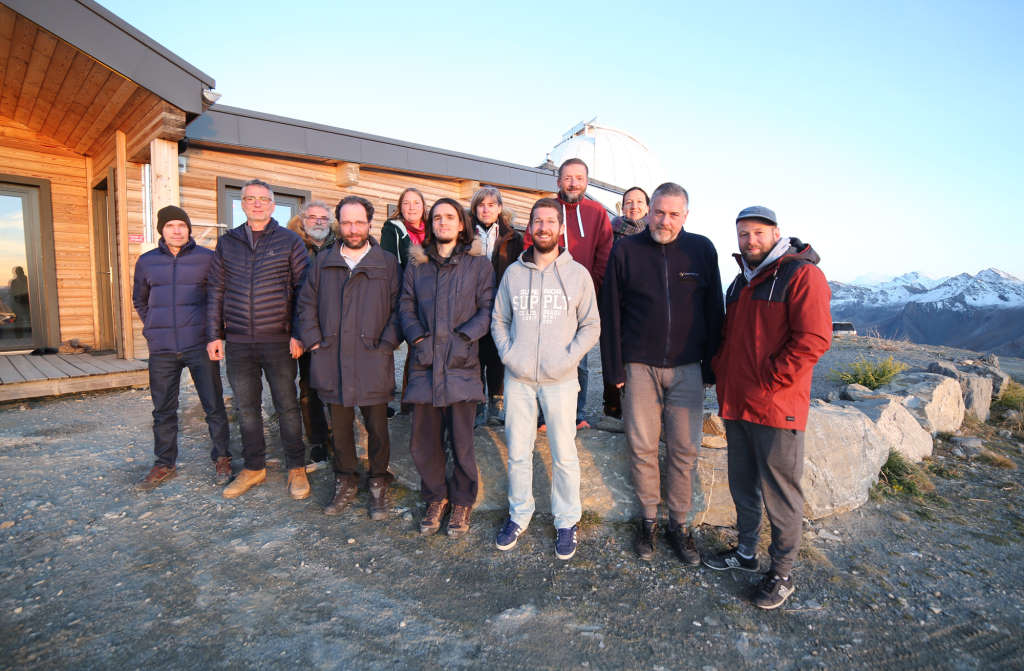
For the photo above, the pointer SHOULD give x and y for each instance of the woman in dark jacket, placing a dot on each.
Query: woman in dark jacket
(445, 309)
(502, 245)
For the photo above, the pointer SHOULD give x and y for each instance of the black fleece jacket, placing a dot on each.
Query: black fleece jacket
(661, 305)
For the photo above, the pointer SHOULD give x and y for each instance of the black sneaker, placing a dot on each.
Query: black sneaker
(731, 559)
(773, 591)
(643, 543)
(682, 544)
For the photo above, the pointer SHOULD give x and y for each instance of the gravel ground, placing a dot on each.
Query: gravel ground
(96, 575)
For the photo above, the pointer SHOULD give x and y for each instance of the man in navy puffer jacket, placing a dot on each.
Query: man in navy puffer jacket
(257, 271)
(170, 296)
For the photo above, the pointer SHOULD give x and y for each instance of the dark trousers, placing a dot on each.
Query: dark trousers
(428, 452)
(492, 371)
(164, 380)
(378, 444)
(246, 362)
(766, 464)
(313, 419)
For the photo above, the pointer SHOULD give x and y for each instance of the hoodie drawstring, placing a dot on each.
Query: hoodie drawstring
(579, 221)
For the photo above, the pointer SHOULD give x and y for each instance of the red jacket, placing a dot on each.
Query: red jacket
(592, 247)
(776, 329)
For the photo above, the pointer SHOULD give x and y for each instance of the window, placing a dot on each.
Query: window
(229, 208)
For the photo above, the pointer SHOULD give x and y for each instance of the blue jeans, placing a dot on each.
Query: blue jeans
(583, 374)
(246, 361)
(164, 383)
(558, 402)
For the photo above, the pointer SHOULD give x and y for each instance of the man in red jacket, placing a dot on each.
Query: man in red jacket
(588, 237)
(777, 326)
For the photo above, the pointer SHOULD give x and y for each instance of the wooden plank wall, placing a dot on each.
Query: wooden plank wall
(199, 185)
(27, 153)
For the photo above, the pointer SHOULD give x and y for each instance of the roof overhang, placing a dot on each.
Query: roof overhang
(105, 37)
(255, 131)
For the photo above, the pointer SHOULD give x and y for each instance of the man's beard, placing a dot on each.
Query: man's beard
(662, 237)
(444, 241)
(545, 247)
(318, 235)
(570, 199)
(754, 259)
(361, 242)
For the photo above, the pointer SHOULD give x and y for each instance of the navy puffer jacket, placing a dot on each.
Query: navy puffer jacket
(252, 291)
(169, 294)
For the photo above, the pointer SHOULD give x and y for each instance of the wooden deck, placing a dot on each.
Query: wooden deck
(26, 376)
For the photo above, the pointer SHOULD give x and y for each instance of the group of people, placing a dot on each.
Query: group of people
(498, 325)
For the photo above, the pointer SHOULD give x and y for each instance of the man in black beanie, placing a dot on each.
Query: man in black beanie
(170, 296)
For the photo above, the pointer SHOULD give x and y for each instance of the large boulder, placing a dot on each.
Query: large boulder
(935, 401)
(712, 502)
(976, 389)
(896, 426)
(998, 377)
(843, 453)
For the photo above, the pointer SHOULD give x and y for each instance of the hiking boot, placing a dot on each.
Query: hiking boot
(157, 476)
(732, 559)
(508, 536)
(222, 471)
(431, 520)
(458, 523)
(682, 544)
(298, 483)
(378, 504)
(244, 481)
(566, 542)
(345, 489)
(643, 543)
(773, 591)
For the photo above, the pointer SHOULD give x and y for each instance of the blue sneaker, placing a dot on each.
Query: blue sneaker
(566, 542)
(508, 536)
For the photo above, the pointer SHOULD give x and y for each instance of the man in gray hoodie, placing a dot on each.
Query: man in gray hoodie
(545, 320)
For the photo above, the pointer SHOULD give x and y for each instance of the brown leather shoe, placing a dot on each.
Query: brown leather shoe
(157, 476)
(298, 483)
(378, 503)
(345, 488)
(222, 471)
(244, 481)
(458, 523)
(431, 521)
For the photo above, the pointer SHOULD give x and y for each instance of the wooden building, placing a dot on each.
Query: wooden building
(100, 127)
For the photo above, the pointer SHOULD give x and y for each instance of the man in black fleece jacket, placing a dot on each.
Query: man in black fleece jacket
(661, 322)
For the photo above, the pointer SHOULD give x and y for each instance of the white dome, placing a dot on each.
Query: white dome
(612, 156)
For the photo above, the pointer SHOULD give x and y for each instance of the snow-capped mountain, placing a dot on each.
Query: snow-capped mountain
(983, 311)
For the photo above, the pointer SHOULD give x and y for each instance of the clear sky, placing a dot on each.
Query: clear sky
(886, 134)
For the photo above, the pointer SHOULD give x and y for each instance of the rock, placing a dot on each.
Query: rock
(944, 368)
(969, 442)
(843, 453)
(858, 392)
(935, 401)
(897, 426)
(991, 359)
(713, 425)
(712, 502)
(832, 396)
(1003, 433)
(1012, 416)
(977, 390)
(998, 377)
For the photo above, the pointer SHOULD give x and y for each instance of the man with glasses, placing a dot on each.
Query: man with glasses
(257, 271)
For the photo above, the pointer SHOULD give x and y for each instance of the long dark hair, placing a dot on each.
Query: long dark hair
(467, 233)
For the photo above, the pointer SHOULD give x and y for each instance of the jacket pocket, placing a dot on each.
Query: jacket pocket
(555, 364)
(463, 353)
(423, 353)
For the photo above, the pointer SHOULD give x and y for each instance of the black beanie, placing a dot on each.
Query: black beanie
(171, 213)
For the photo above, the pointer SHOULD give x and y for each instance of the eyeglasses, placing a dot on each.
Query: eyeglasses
(318, 220)
(266, 200)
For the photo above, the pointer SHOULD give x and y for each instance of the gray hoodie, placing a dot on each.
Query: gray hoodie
(545, 321)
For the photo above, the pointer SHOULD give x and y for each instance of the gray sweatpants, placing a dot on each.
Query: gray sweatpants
(675, 396)
(767, 463)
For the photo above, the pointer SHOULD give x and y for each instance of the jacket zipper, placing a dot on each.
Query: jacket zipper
(174, 300)
(668, 306)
